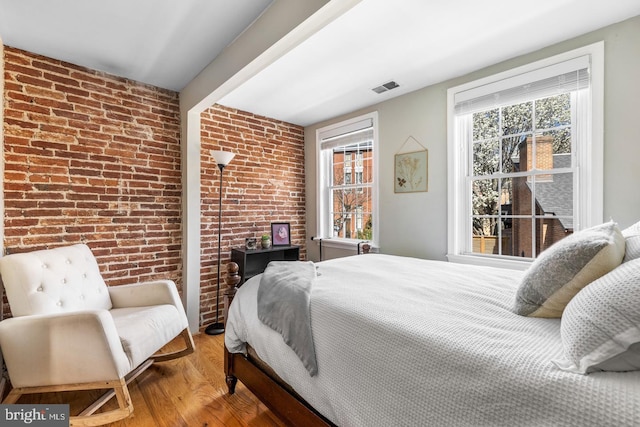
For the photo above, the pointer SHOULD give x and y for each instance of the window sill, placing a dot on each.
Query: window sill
(352, 244)
(512, 264)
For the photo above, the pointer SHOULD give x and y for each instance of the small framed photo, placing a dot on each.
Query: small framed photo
(251, 243)
(280, 234)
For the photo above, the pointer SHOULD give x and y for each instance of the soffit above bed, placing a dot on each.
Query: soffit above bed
(414, 43)
(411, 42)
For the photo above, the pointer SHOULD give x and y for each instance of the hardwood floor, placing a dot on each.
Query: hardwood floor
(190, 391)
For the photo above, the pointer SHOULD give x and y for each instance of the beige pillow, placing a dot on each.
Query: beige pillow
(566, 267)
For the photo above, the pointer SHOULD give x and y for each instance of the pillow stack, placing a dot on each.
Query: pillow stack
(600, 326)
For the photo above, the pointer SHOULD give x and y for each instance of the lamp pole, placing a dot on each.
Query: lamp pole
(222, 159)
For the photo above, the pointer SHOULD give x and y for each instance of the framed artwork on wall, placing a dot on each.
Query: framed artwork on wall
(411, 172)
(280, 234)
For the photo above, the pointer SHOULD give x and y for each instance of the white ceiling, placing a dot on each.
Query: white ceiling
(164, 43)
(413, 42)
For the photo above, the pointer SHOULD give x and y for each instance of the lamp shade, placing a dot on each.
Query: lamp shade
(222, 157)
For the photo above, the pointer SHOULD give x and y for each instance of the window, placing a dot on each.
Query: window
(347, 204)
(525, 159)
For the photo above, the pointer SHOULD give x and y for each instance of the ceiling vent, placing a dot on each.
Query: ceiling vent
(385, 87)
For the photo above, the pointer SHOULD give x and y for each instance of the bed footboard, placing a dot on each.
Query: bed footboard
(287, 406)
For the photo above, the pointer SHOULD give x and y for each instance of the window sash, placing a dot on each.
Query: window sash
(577, 121)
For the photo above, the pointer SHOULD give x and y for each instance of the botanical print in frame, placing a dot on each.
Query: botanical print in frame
(411, 172)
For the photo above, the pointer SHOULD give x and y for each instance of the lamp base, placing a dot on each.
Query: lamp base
(214, 329)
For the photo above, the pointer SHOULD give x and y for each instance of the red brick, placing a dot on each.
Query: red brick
(60, 203)
(95, 158)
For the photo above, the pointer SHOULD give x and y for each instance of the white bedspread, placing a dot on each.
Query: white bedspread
(403, 341)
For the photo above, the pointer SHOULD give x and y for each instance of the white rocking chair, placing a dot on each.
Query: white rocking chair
(69, 331)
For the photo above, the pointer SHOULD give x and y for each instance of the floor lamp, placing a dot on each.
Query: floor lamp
(222, 158)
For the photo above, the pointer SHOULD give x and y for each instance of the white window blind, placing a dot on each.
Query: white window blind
(353, 133)
(560, 78)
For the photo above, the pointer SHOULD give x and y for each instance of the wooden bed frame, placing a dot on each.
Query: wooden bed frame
(276, 395)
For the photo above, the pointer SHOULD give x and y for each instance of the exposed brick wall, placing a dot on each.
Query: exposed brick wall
(96, 159)
(264, 183)
(92, 158)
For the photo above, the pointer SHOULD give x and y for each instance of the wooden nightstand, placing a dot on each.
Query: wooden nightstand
(252, 262)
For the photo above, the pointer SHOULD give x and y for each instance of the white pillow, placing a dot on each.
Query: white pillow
(566, 267)
(600, 327)
(632, 239)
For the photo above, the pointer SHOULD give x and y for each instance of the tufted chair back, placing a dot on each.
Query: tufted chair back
(52, 281)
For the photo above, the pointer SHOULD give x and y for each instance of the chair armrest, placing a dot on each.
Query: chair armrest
(62, 348)
(147, 294)
(144, 294)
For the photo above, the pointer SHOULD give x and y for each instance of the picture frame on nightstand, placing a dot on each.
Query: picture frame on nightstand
(280, 234)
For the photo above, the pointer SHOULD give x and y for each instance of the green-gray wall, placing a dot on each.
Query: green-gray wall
(415, 224)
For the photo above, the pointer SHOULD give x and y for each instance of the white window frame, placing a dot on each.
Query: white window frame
(588, 210)
(324, 228)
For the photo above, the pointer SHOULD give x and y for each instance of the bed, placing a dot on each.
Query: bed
(406, 341)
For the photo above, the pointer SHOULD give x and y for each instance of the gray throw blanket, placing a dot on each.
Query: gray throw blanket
(283, 305)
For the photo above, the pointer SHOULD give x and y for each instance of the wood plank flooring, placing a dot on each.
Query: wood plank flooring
(190, 391)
